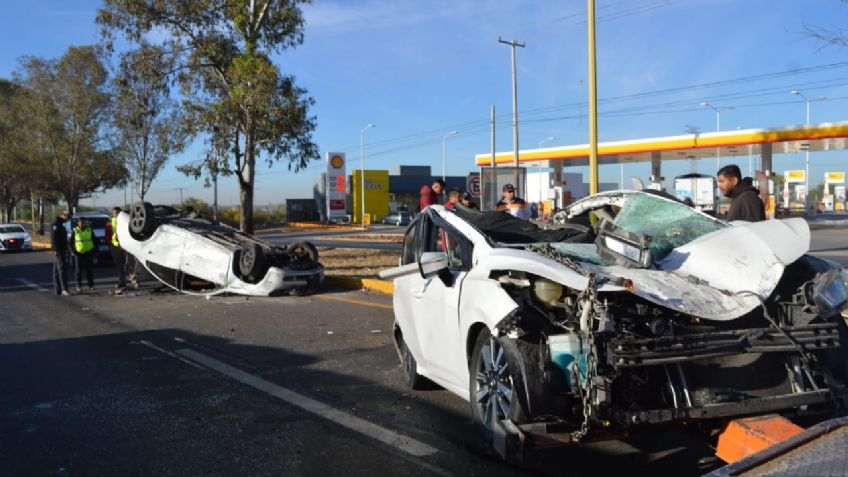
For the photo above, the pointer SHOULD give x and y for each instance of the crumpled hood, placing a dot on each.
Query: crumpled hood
(720, 275)
(717, 276)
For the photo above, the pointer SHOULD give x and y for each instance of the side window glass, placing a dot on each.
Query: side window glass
(409, 246)
(453, 246)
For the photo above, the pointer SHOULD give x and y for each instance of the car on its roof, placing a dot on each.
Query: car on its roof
(196, 256)
(14, 237)
(631, 311)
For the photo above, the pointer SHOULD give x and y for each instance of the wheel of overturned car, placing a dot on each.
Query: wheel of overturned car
(251, 263)
(304, 252)
(496, 383)
(410, 366)
(142, 220)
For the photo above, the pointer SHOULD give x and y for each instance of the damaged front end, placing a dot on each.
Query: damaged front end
(613, 361)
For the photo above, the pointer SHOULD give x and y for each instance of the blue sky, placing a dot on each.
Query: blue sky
(420, 69)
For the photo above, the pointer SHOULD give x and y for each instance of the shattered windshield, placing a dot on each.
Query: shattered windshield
(670, 224)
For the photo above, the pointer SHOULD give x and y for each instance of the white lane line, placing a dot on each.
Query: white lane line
(30, 284)
(386, 436)
(166, 352)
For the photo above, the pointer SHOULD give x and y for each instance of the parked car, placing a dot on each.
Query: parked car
(14, 237)
(97, 222)
(397, 218)
(653, 314)
(196, 256)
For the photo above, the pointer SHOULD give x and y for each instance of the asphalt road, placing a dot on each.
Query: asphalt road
(152, 383)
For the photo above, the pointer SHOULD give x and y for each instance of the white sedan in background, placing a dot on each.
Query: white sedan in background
(633, 311)
(14, 237)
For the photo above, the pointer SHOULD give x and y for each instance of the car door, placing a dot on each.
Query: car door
(436, 301)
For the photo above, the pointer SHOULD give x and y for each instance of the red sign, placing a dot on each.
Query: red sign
(337, 205)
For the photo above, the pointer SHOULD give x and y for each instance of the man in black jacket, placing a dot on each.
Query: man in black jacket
(745, 203)
(59, 246)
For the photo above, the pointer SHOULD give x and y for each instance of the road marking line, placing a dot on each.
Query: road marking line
(393, 439)
(166, 352)
(355, 302)
(31, 284)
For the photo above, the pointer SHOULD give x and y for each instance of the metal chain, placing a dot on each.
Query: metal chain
(546, 250)
(587, 394)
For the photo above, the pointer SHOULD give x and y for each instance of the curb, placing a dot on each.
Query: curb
(370, 284)
(313, 225)
(44, 245)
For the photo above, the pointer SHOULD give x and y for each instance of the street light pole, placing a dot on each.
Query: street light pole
(539, 169)
(443, 151)
(513, 44)
(718, 127)
(807, 152)
(362, 170)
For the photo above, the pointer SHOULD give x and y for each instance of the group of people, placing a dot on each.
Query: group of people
(436, 194)
(83, 245)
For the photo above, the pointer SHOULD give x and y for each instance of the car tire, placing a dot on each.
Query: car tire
(304, 251)
(142, 220)
(497, 377)
(251, 263)
(410, 366)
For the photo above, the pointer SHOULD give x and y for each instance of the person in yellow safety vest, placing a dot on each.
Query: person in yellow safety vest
(84, 246)
(119, 255)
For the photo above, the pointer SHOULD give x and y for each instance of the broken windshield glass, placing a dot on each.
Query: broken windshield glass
(670, 224)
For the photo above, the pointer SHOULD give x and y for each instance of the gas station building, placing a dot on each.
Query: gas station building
(761, 143)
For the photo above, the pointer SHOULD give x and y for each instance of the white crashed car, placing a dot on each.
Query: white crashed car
(196, 256)
(14, 237)
(633, 310)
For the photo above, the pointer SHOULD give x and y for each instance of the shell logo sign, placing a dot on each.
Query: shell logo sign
(834, 177)
(795, 176)
(336, 186)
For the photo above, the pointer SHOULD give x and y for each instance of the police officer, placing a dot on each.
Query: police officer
(119, 256)
(59, 246)
(84, 247)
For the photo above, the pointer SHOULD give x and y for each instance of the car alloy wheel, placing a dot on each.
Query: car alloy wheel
(410, 365)
(492, 385)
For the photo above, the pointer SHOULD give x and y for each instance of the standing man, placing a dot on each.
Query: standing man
(453, 198)
(84, 247)
(745, 203)
(59, 246)
(439, 189)
(514, 205)
(119, 256)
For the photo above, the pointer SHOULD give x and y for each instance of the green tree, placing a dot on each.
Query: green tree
(148, 122)
(232, 90)
(68, 104)
(23, 173)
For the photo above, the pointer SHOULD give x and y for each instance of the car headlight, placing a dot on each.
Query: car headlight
(830, 292)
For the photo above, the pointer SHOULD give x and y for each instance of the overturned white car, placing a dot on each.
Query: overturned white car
(196, 256)
(633, 310)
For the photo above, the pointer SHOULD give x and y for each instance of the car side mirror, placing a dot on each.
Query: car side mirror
(433, 264)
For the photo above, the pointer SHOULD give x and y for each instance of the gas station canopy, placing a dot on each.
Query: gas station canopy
(786, 140)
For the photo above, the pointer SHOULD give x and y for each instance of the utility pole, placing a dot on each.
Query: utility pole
(513, 44)
(494, 164)
(593, 103)
(215, 197)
